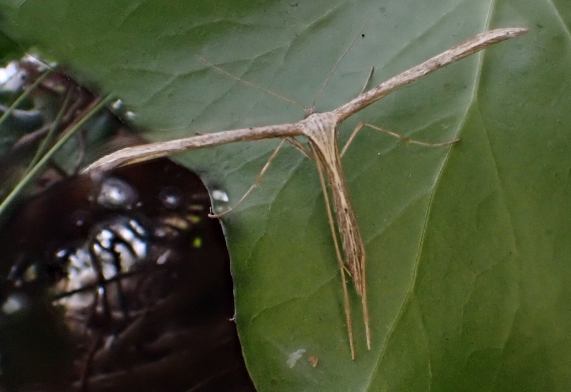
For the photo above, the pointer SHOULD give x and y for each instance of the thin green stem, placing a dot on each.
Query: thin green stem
(23, 96)
(36, 169)
(48, 138)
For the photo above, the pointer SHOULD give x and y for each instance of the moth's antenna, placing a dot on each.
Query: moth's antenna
(204, 61)
(333, 68)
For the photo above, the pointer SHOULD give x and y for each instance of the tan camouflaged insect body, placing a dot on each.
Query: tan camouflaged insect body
(320, 129)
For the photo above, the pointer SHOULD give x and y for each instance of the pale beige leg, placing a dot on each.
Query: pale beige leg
(254, 185)
(340, 263)
(300, 147)
(365, 307)
(405, 139)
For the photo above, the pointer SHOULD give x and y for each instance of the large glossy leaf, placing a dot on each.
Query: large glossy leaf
(468, 247)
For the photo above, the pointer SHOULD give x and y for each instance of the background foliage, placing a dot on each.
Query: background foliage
(468, 247)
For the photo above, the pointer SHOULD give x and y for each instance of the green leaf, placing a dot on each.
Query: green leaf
(468, 247)
(9, 50)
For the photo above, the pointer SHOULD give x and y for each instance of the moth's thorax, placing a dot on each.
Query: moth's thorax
(320, 128)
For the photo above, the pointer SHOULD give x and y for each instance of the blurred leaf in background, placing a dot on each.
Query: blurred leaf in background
(9, 50)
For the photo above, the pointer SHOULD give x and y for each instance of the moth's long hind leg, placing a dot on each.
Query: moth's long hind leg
(405, 139)
(254, 185)
(365, 308)
(340, 263)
